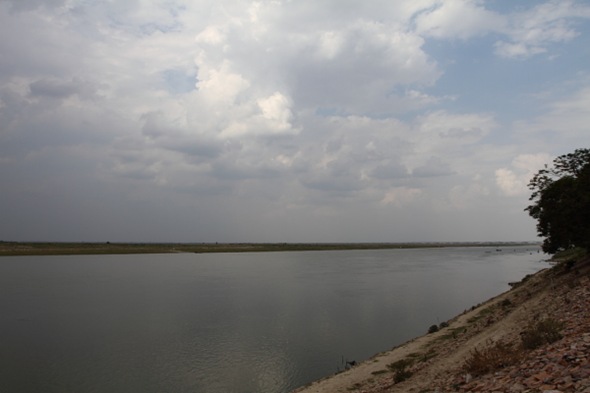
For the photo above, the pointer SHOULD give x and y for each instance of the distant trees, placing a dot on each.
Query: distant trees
(561, 202)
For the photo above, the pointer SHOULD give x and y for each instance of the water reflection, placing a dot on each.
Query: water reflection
(265, 322)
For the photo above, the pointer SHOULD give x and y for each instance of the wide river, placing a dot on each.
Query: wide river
(223, 323)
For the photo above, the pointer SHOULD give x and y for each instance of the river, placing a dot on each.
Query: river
(231, 323)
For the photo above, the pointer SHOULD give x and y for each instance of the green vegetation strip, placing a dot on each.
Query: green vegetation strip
(8, 248)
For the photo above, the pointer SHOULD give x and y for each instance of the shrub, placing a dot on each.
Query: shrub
(401, 376)
(400, 370)
(433, 329)
(544, 332)
(494, 357)
(400, 364)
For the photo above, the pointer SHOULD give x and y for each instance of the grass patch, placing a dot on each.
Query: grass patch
(379, 372)
(420, 356)
(452, 334)
(482, 314)
(572, 253)
(428, 355)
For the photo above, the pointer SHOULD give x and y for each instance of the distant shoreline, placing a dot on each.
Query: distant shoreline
(9, 248)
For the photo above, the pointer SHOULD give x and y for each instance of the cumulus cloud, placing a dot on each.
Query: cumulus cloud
(272, 115)
(315, 68)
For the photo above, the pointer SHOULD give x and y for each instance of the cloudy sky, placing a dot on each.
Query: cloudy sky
(285, 120)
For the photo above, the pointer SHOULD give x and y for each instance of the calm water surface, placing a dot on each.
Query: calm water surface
(243, 323)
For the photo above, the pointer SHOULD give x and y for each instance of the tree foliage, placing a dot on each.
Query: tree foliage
(561, 202)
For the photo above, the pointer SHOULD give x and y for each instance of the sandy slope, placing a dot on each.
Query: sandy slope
(438, 358)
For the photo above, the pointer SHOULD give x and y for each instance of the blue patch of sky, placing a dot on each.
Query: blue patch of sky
(481, 81)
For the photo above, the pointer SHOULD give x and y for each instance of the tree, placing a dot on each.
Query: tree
(561, 202)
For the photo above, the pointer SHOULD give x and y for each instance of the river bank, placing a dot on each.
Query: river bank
(9, 248)
(488, 348)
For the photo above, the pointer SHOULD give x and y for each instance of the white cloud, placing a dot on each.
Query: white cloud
(441, 133)
(509, 182)
(563, 121)
(513, 181)
(461, 19)
(220, 86)
(316, 63)
(460, 128)
(467, 196)
(330, 44)
(401, 196)
(211, 35)
(507, 49)
(276, 110)
(532, 31)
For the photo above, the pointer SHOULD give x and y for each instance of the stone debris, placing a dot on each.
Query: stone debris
(563, 366)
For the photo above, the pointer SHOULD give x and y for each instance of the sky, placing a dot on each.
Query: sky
(285, 120)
